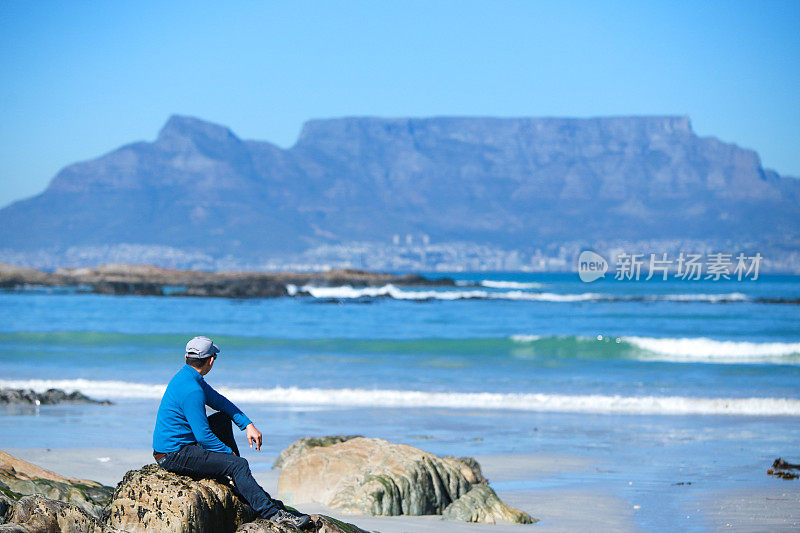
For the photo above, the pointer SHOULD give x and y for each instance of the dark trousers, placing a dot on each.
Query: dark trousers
(194, 460)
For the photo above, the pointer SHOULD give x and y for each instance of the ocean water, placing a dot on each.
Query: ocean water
(659, 382)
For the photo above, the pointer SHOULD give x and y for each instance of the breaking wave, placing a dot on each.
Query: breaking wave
(690, 350)
(593, 403)
(703, 349)
(492, 284)
(392, 291)
(107, 347)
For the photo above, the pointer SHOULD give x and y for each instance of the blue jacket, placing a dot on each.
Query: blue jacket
(182, 418)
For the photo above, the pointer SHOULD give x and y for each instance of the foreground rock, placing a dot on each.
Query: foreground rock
(50, 397)
(152, 499)
(19, 478)
(376, 477)
(37, 514)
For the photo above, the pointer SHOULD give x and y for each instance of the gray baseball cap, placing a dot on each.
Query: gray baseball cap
(201, 348)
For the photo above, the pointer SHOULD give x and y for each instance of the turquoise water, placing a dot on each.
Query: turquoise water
(657, 381)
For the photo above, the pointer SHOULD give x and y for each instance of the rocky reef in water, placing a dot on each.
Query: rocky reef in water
(375, 477)
(122, 279)
(49, 397)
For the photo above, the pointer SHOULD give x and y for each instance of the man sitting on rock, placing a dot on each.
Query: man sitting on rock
(186, 442)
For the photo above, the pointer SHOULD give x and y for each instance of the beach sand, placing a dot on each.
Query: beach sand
(559, 506)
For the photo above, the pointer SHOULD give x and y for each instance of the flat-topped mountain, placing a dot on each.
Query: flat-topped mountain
(511, 182)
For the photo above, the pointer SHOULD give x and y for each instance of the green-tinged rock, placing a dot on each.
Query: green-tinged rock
(19, 478)
(376, 477)
(6, 502)
(152, 499)
(373, 476)
(37, 514)
(299, 446)
(481, 504)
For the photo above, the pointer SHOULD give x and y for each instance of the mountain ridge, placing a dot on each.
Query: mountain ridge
(514, 182)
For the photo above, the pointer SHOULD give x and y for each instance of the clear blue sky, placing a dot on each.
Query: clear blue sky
(82, 78)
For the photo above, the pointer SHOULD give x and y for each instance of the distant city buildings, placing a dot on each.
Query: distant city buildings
(412, 252)
(400, 253)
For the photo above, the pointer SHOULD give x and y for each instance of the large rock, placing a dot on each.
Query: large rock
(20, 478)
(152, 499)
(376, 477)
(300, 446)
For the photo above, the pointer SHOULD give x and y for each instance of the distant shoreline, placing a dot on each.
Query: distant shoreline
(143, 280)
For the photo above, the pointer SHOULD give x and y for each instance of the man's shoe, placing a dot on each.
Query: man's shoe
(288, 519)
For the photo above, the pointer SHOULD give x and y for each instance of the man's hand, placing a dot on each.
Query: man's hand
(254, 436)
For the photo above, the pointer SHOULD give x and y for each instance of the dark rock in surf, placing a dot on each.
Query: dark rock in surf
(783, 470)
(50, 397)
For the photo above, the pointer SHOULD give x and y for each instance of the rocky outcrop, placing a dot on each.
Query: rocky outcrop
(49, 397)
(376, 477)
(12, 276)
(152, 499)
(19, 478)
(300, 446)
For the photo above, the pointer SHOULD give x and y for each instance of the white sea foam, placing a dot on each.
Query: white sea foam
(593, 403)
(525, 338)
(392, 291)
(493, 284)
(725, 297)
(709, 350)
